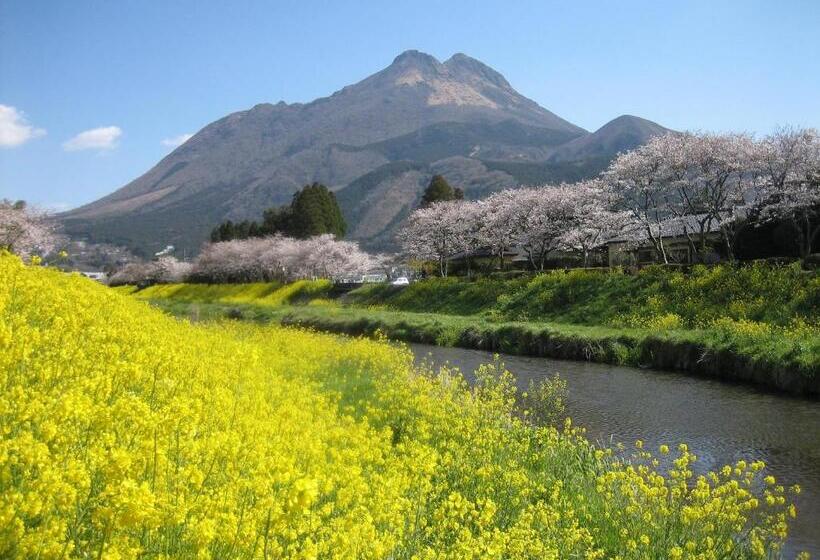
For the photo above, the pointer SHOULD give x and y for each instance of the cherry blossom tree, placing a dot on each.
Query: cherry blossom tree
(499, 223)
(26, 231)
(468, 226)
(551, 212)
(282, 258)
(702, 179)
(717, 173)
(166, 270)
(594, 220)
(325, 257)
(235, 261)
(639, 179)
(433, 233)
(789, 162)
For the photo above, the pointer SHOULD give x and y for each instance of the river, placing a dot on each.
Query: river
(721, 422)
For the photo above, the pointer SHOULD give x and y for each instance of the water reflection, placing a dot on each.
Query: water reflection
(720, 422)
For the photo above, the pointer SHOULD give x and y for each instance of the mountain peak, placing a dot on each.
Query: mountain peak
(639, 125)
(618, 135)
(462, 66)
(415, 58)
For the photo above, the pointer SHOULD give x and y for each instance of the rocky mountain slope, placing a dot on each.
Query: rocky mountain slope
(376, 143)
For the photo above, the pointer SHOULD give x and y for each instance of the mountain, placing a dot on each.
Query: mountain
(618, 135)
(375, 143)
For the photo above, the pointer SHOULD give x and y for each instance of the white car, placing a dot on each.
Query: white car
(401, 281)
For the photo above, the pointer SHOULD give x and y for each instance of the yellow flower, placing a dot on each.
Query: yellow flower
(645, 540)
(129, 433)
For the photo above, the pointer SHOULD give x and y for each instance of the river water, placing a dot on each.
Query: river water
(721, 422)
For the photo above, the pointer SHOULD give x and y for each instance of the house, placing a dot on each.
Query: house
(633, 247)
(95, 275)
(370, 277)
(515, 257)
(374, 278)
(168, 251)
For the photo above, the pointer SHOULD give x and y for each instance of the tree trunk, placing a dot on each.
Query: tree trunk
(807, 235)
(692, 247)
(657, 243)
(730, 254)
(531, 258)
(705, 225)
(811, 238)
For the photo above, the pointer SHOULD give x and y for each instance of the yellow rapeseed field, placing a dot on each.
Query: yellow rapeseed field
(125, 433)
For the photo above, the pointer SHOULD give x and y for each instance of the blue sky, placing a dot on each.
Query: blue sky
(148, 71)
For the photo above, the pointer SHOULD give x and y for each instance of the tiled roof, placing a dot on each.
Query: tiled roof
(674, 227)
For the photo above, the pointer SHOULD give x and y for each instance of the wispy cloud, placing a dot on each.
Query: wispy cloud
(15, 129)
(176, 140)
(103, 138)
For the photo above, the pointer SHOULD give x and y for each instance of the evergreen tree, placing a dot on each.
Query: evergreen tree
(242, 230)
(225, 231)
(312, 212)
(255, 230)
(439, 190)
(276, 220)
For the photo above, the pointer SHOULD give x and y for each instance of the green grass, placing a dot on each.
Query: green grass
(759, 292)
(452, 296)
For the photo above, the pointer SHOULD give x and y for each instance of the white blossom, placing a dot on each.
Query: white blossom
(789, 162)
(595, 221)
(434, 233)
(26, 231)
(165, 270)
(281, 258)
(544, 217)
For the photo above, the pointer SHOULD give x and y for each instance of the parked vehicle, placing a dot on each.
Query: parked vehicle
(401, 281)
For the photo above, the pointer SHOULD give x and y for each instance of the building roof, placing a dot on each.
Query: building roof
(674, 227)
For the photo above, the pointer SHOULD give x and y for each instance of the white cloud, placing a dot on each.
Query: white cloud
(103, 138)
(15, 129)
(176, 140)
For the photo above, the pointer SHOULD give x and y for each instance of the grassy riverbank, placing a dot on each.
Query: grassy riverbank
(757, 324)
